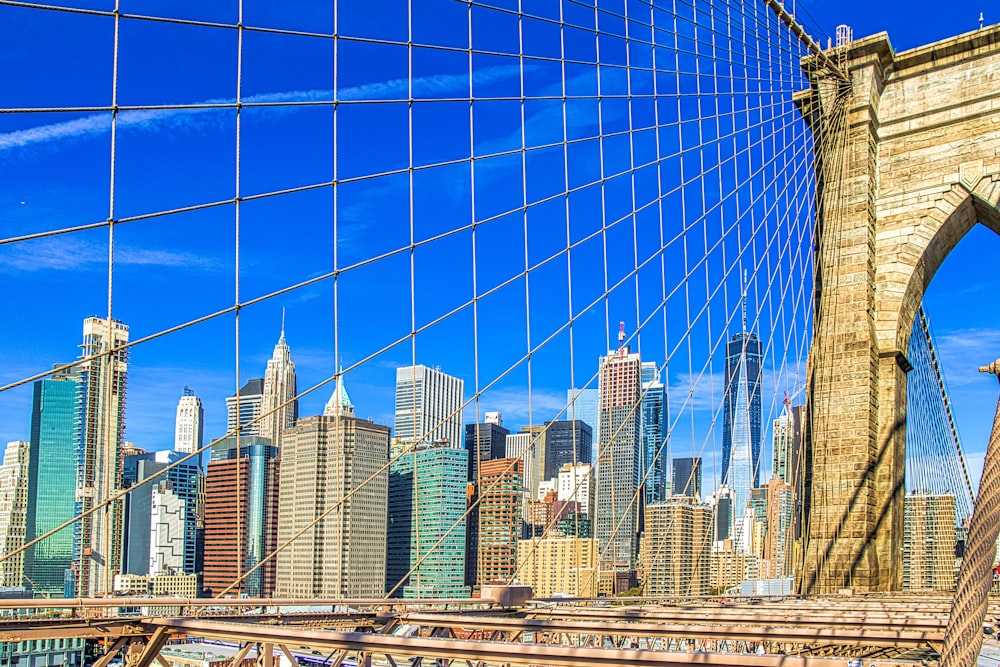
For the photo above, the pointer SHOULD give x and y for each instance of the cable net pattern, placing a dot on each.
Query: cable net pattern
(484, 187)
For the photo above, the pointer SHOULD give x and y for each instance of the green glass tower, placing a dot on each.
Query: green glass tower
(427, 497)
(52, 468)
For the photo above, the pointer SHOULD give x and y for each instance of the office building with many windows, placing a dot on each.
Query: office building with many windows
(428, 406)
(685, 477)
(13, 510)
(279, 407)
(618, 464)
(160, 519)
(243, 408)
(741, 425)
(500, 492)
(52, 468)
(241, 516)
(103, 369)
(567, 442)
(654, 452)
(426, 531)
(333, 460)
(677, 546)
(189, 424)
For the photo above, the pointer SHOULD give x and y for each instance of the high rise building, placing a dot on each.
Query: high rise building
(685, 478)
(555, 566)
(189, 425)
(13, 510)
(168, 507)
(244, 407)
(501, 491)
(777, 557)
(168, 519)
(928, 541)
(485, 442)
(722, 513)
(581, 404)
(427, 503)
(334, 459)
(576, 484)
(567, 442)
(781, 447)
(796, 472)
(653, 468)
(677, 546)
(729, 567)
(619, 440)
(527, 446)
(52, 468)
(428, 406)
(103, 369)
(755, 523)
(279, 407)
(741, 421)
(241, 516)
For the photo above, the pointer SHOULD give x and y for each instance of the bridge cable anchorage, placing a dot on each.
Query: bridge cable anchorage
(964, 635)
(789, 20)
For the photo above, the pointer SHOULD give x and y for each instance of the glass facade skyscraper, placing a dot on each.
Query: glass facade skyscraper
(567, 442)
(743, 355)
(427, 496)
(582, 404)
(741, 423)
(686, 477)
(241, 515)
(52, 466)
(654, 462)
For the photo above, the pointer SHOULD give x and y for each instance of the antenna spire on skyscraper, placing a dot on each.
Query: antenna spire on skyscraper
(744, 300)
(282, 322)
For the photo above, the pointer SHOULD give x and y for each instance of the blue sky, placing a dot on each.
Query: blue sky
(744, 204)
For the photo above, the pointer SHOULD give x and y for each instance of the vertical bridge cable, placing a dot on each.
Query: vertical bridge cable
(963, 637)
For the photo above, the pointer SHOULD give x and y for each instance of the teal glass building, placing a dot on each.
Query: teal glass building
(52, 480)
(427, 497)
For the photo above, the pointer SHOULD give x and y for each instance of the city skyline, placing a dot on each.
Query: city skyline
(614, 318)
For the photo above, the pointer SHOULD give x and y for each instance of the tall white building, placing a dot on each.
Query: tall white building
(279, 407)
(525, 446)
(168, 517)
(189, 425)
(428, 406)
(576, 485)
(104, 369)
(13, 510)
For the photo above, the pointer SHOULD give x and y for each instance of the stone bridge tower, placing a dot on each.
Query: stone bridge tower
(908, 161)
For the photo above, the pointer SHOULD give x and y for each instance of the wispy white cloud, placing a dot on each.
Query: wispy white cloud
(962, 351)
(64, 253)
(100, 123)
(513, 403)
